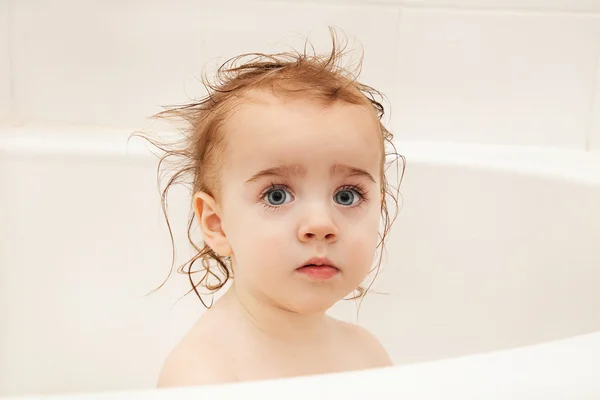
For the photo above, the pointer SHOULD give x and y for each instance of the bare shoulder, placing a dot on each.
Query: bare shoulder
(199, 358)
(361, 338)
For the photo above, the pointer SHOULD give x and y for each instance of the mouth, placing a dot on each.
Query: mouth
(318, 268)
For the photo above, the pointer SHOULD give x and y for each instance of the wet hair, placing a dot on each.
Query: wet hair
(197, 153)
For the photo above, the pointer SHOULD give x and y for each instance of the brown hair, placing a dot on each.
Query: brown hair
(314, 76)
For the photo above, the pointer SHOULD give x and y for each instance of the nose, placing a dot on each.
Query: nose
(318, 226)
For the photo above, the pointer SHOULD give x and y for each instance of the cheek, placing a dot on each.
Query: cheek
(263, 257)
(364, 237)
(265, 245)
(255, 239)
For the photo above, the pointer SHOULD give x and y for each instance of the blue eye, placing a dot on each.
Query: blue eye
(277, 197)
(347, 197)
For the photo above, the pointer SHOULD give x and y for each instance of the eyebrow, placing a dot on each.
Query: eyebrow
(299, 170)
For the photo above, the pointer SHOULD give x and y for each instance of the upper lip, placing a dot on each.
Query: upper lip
(319, 261)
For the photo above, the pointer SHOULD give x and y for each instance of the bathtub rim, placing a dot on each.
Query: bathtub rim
(569, 164)
(555, 370)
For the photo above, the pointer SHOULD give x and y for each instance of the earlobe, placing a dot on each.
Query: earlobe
(208, 215)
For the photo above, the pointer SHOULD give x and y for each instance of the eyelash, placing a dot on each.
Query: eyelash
(360, 190)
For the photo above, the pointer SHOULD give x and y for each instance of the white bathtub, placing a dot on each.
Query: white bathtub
(495, 248)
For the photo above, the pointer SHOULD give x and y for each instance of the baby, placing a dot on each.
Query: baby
(287, 158)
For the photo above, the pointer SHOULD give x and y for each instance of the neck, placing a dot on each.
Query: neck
(274, 320)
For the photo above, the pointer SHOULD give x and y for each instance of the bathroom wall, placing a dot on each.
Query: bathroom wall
(5, 74)
(84, 239)
(515, 72)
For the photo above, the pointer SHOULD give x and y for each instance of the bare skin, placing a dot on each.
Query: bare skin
(229, 345)
(299, 181)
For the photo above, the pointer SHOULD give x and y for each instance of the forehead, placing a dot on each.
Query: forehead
(269, 131)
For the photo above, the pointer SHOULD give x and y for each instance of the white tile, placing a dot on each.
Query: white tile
(5, 101)
(594, 133)
(101, 63)
(505, 78)
(272, 26)
(107, 64)
(556, 5)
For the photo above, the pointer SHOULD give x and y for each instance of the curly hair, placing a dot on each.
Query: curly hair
(317, 77)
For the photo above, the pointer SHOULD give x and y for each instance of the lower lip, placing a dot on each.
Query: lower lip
(318, 272)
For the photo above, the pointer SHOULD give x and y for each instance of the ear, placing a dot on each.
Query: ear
(207, 212)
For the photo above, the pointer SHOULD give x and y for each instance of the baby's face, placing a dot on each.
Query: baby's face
(300, 181)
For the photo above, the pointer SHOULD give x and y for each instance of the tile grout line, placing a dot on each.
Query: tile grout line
(591, 120)
(398, 59)
(407, 4)
(11, 63)
(500, 9)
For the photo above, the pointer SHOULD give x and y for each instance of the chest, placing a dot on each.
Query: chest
(275, 360)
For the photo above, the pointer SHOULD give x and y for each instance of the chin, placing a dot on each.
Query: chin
(317, 303)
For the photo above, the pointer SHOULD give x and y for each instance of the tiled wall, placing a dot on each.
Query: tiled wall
(5, 89)
(544, 5)
(520, 72)
(594, 138)
(496, 77)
